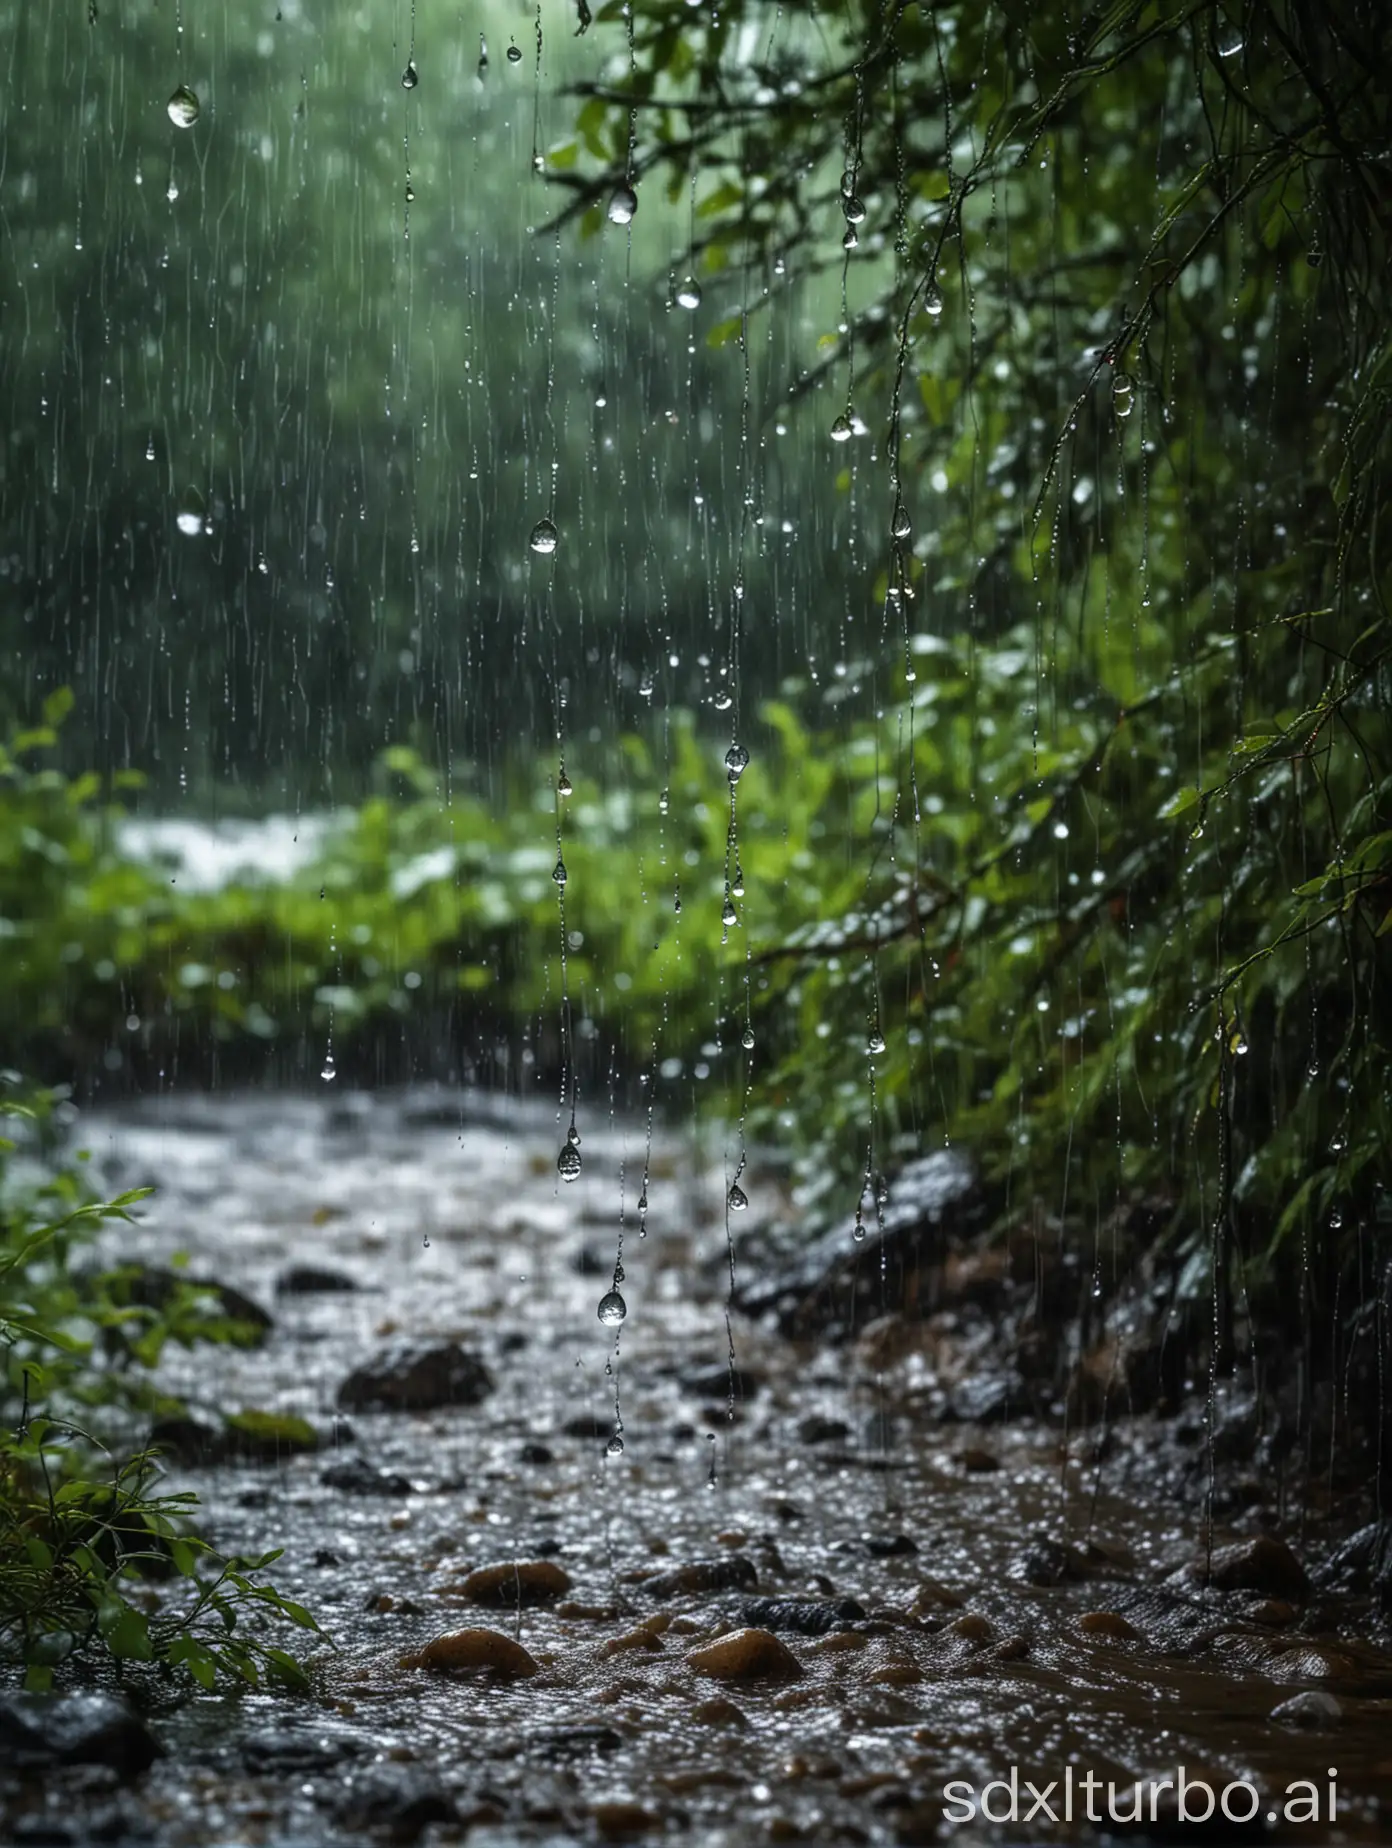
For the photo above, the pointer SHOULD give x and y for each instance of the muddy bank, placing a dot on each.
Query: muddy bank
(810, 1590)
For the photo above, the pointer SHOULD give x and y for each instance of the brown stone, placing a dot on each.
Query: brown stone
(474, 1652)
(1263, 1565)
(620, 1820)
(745, 1655)
(1107, 1623)
(522, 1581)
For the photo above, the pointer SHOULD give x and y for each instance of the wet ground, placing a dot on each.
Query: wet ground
(830, 1484)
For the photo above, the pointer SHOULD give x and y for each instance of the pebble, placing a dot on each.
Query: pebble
(970, 1627)
(745, 1655)
(74, 1729)
(1313, 1711)
(1049, 1562)
(643, 1640)
(719, 1713)
(976, 1461)
(356, 1476)
(931, 1596)
(523, 1581)
(313, 1279)
(841, 1642)
(1108, 1623)
(464, 1652)
(401, 1800)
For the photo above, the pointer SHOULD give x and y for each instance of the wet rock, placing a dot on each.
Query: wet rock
(521, 1581)
(1048, 1563)
(400, 1800)
(356, 1476)
(888, 1546)
(719, 1713)
(836, 1286)
(379, 1603)
(733, 1572)
(1264, 1565)
(287, 1751)
(474, 1652)
(188, 1440)
(994, 1399)
(976, 1461)
(932, 1595)
(576, 1741)
(588, 1425)
(641, 1642)
(621, 1819)
(74, 1729)
(971, 1627)
(151, 1286)
(536, 1454)
(819, 1430)
(746, 1655)
(314, 1280)
(1313, 1711)
(268, 1437)
(411, 1377)
(324, 1557)
(814, 1617)
(1362, 1564)
(1110, 1624)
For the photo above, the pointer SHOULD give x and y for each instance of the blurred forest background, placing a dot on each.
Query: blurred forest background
(977, 415)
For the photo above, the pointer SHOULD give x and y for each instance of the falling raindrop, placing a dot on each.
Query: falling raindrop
(858, 1231)
(851, 239)
(514, 54)
(568, 1163)
(901, 526)
(848, 184)
(183, 107)
(729, 917)
(841, 429)
(614, 1448)
(327, 1071)
(737, 1199)
(558, 872)
(932, 300)
(689, 293)
(747, 1039)
(736, 762)
(1230, 40)
(875, 1044)
(854, 210)
(612, 1309)
(1123, 389)
(188, 522)
(623, 203)
(564, 786)
(410, 77)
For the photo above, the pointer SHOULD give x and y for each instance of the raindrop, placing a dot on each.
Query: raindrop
(558, 871)
(1123, 388)
(618, 1275)
(747, 1039)
(848, 184)
(854, 209)
(612, 1309)
(150, 450)
(875, 1044)
(858, 1231)
(328, 1073)
(729, 916)
(410, 193)
(614, 1448)
(189, 523)
(664, 802)
(1230, 40)
(736, 762)
(689, 293)
(544, 537)
(410, 77)
(841, 429)
(183, 107)
(737, 883)
(623, 203)
(737, 1199)
(514, 54)
(932, 300)
(564, 786)
(850, 240)
(901, 526)
(568, 1163)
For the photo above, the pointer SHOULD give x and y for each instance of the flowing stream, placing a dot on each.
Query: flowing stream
(830, 1480)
